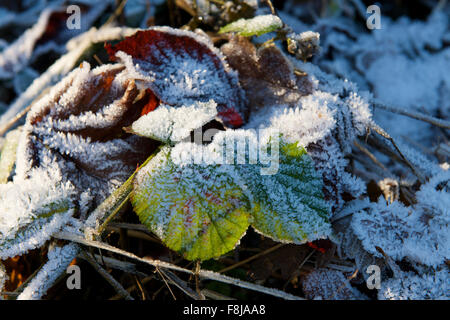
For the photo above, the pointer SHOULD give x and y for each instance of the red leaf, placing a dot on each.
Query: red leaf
(182, 67)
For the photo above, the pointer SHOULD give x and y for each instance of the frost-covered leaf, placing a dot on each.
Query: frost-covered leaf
(325, 125)
(195, 209)
(410, 286)
(327, 284)
(32, 210)
(255, 26)
(8, 154)
(77, 129)
(172, 124)
(266, 75)
(182, 68)
(420, 232)
(286, 190)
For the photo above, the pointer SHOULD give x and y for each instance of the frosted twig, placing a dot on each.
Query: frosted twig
(8, 125)
(59, 259)
(385, 135)
(124, 266)
(109, 278)
(162, 264)
(415, 115)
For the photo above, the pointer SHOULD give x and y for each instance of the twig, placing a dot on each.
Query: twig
(116, 13)
(164, 279)
(210, 275)
(215, 295)
(272, 8)
(297, 271)
(8, 125)
(240, 263)
(55, 267)
(124, 266)
(182, 285)
(415, 115)
(385, 135)
(140, 287)
(133, 287)
(370, 155)
(109, 278)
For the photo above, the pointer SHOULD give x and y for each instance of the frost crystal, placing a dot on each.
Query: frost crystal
(419, 233)
(326, 284)
(32, 210)
(409, 286)
(59, 259)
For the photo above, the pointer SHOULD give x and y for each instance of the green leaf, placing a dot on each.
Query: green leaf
(287, 198)
(256, 26)
(289, 205)
(201, 207)
(197, 210)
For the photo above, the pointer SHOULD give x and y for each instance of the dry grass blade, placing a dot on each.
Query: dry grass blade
(415, 115)
(385, 135)
(110, 279)
(165, 281)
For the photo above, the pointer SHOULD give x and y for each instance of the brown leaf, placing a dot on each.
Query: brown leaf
(266, 75)
(77, 129)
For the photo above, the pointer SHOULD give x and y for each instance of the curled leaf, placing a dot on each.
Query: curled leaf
(182, 68)
(266, 75)
(170, 125)
(77, 129)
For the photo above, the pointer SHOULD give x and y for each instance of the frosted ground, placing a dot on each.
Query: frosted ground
(363, 117)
